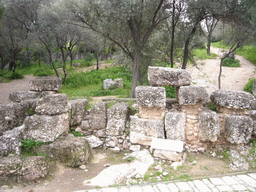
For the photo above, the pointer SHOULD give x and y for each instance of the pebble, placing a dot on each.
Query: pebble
(82, 167)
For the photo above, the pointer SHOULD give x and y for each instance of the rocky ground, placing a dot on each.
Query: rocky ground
(196, 165)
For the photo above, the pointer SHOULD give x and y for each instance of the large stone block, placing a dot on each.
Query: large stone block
(77, 111)
(23, 95)
(52, 104)
(254, 88)
(98, 116)
(238, 129)
(168, 155)
(10, 141)
(167, 144)
(189, 95)
(142, 131)
(12, 115)
(209, 126)
(45, 128)
(232, 99)
(118, 115)
(253, 117)
(70, 150)
(110, 84)
(45, 84)
(175, 125)
(151, 102)
(164, 76)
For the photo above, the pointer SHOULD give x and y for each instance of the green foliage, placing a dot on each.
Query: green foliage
(11, 75)
(202, 54)
(249, 53)
(77, 133)
(28, 145)
(31, 112)
(41, 73)
(230, 62)
(220, 44)
(213, 107)
(170, 91)
(249, 86)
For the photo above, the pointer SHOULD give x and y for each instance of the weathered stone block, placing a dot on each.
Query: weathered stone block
(254, 88)
(77, 111)
(34, 169)
(108, 83)
(45, 84)
(98, 116)
(164, 76)
(24, 95)
(52, 104)
(111, 142)
(209, 126)
(253, 117)
(238, 129)
(168, 155)
(10, 141)
(119, 83)
(232, 99)
(45, 128)
(118, 115)
(167, 144)
(94, 142)
(175, 125)
(12, 115)
(189, 95)
(69, 150)
(30, 104)
(142, 131)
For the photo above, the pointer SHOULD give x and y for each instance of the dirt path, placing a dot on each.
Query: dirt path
(206, 75)
(14, 85)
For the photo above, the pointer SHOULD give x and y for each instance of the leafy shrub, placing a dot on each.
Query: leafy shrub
(249, 53)
(249, 86)
(28, 145)
(13, 75)
(170, 91)
(45, 72)
(229, 62)
(77, 134)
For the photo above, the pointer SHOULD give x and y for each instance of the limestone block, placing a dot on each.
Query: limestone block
(69, 150)
(77, 111)
(19, 96)
(52, 105)
(164, 76)
(118, 115)
(12, 115)
(254, 88)
(10, 141)
(93, 141)
(119, 83)
(232, 99)
(111, 142)
(45, 128)
(98, 116)
(167, 144)
(151, 102)
(108, 83)
(142, 131)
(34, 169)
(253, 104)
(253, 117)
(168, 155)
(45, 84)
(238, 129)
(189, 95)
(30, 104)
(209, 126)
(175, 125)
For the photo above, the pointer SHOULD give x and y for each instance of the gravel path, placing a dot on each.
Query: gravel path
(14, 85)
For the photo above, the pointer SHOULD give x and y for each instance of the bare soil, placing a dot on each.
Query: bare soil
(71, 179)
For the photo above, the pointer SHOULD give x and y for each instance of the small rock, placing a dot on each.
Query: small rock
(82, 167)
(214, 154)
(176, 164)
(78, 129)
(193, 163)
(107, 165)
(116, 150)
(165, 173)
(135, 148)
(151, 174)
(86, 170)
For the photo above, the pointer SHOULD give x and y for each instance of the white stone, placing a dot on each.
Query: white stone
(176, 164)
(217, 181)
(123, 189)
(229, 180)
(224, 188)
(135, 148)
(183, 186)
(165, 144)
(191, 184)
(162, 187)
(136, 189)
(173, 187)
(147, 188)
(247, 180)
(82, 167)
(239, 187)
(94, 142)
(201, 186)
(109, 190)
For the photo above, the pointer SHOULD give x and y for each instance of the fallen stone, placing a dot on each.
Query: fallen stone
(111, 142)
(98, 116)
(175, 125)
(209, 126)
(192, 95)
(135, 148)
(108, 83)
(238, 129)
(119, 83)
(142, 131)
(168, 155)
(77, 111)
(12, 115)
(94, 142)
(168, 145)
(55, 104)
(19, 96)
(164, 76)
(232, 99)
(83, 167)
(10, 142)
(69, 150)
(118, 115)
(116, 150)
(175, 165)
(254, 88)
(238, 162)
(45, 128)
(45, 84)
(253, 117)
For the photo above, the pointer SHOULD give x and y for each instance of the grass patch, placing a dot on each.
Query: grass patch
(170, 92)
(6, 76)
(230, 62)
(220, 44)
(76, 133)
(28, 145)
(249, 86)
(202, 54)
(248, 52)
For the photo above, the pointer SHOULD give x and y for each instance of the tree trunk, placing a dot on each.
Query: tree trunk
(172, 35)
(97, 57)
(219, 78)
(135, 73)
(64, 64)
(209, 44)
(71, 59)
(52, 63)
(2, 63)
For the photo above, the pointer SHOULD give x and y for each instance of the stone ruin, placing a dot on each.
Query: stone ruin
(167, 127)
